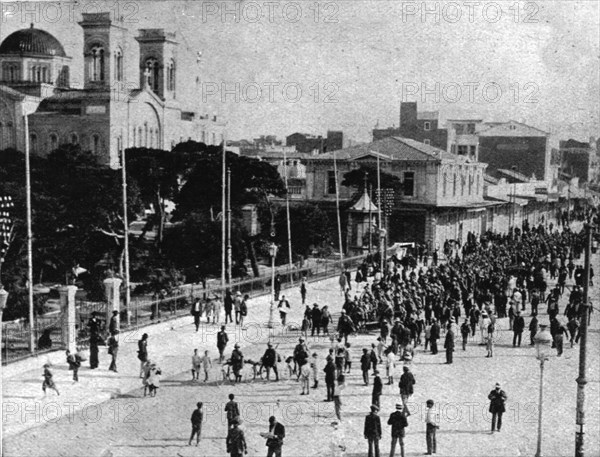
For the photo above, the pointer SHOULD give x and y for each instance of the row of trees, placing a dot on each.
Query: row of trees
(77, 217)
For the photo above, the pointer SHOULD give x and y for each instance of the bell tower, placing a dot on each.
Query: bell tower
(158, 62)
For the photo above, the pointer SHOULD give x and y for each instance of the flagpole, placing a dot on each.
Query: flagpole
(337, 204)
(223, 185)
(125, 238)
(379, 201)
(229, 226)
(29, 236)
(287, 211)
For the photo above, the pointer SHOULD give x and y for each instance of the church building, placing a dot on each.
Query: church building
(109, 112)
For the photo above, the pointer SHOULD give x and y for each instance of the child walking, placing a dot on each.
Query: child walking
(48, 381)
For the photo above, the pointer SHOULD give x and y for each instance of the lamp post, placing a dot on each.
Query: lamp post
(273, 253)
(3, 298)
(543, 342)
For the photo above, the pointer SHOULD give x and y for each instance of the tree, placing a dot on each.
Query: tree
(356, 178)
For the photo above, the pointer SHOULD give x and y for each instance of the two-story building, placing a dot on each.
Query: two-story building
(441, 194)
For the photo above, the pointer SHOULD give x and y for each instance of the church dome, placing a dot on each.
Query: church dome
(32, 42)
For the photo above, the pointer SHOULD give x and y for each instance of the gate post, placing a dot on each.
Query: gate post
(113, 296)
(68, 317)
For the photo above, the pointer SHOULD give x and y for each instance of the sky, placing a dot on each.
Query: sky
(279, 67)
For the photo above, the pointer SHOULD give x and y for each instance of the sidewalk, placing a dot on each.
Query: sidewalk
(170, 344)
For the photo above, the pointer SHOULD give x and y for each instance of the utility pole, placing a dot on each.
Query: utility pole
(583, 330)
(370, 218)
(287, 213)
(379, 203)
(125, 239)
(229, 263)
(337, 203)
(29, 236)
(223, 215)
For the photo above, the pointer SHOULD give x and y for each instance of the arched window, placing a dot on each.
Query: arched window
(145, 135)
(477, 188)
(119, 65)
(171, 77)
(139, 137)
(157, 132)
(152, 138)
(33, 142)
(445, 178)
(97, 63)
(214, 139)
(53, 141)
(152, 67)
(95, 143)
(204, 137)
(44, 75)
(454, 185)
(74, 138)
(133, 144)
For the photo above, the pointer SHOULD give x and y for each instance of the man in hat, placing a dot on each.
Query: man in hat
(497, 399)
(237, 306)
(315, 315)
(196, 420)
(449, 344)
(365, 364)
(434, 335)
(222, 340)
(345, 326)
(284, 308)
(398, 422)
(236, 441)
(197, 312)
(113, 326)
(431, 424)
(300, 356)
(372, 431)
(274, 437)
(518, 327)
(377, 389)
(269, 360)
(406, 385)
(237, 362)
(232, 410)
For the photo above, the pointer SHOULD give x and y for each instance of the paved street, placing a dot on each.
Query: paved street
(107, 415)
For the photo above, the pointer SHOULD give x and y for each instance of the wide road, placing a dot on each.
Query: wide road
(80, 422)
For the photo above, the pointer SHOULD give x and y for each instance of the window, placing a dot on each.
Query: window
(454, 185)
(203, 137)
(118, 65)
(427, 141)
(214, 139)
(53, 141)
(472, 151)
(409, 183)
(470, 129)
(74, 138)
(95, 143)
(145, 135)
(171, 76)
(139, 137)
(11, 72)
(445, 177)
(427, 126)
(463, 184)
(463, 150)
(152, 138)
(134, 145)
(477, 187)
(331, 182)
(33, 142)
(152, 74)
(470, 183)
(96, 63)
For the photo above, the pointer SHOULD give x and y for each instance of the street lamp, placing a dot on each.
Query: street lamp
(273, 253)
(543, 342)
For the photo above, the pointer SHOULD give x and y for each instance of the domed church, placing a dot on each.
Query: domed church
(108, 113)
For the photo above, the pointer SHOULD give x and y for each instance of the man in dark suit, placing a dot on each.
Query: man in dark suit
(236, 440)
(497, 399)
(275, 437)
(434, 336)
(449, 344)
(398, 422)
(197, 312)
(518, 327)
(377, 389)
(373, 431)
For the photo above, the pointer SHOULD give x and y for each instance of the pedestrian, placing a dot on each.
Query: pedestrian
(380, 349)
(490, 340)
(232, 410)
(143, 352)
(237, 305)
(347, 358)
(377, 390)
(237, 362)
(337, 396)
(217, 305)
(196, 420)
(228, 305)
(197, 312)
(236, 440)
(74, 361)
(365, 364)
(573, 327)
(95, 340)
(449, 344)
(146, 375)
(196, 365)
(558, 331)
(345, 326)
(434, 336)
(305, 376)
(277, 286)
(113, 327)
(406, 385)
(274, 437)
(269, 361)
(465, 330)
(113, 351)
(533, 328)
(390, 365)
(497, 399)
(373, 356)
(343, 283)
(314, 366)
(222, 340)
(153, 379)
(284, 308)
(398, 422)
(48, 380)
(432, 424)
(518, 327)
(372, 431)
(330, 372)
(303, 290)
(244, 308)
(206, 365)
(316, 317)
(325, 319)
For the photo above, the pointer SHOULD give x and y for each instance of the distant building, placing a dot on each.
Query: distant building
(463, 137)
(504, 145)
(580, 160)
(307, 143)
(419, 126)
